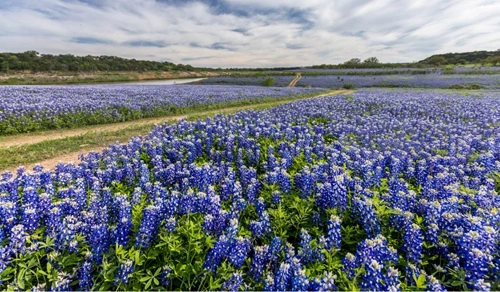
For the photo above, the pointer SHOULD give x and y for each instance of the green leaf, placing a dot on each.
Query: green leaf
(156, 281)
(148, 284)
(421, 281)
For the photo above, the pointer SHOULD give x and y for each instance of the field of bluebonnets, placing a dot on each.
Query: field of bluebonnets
(380, 190)
(456, 78)
(33, 108)
(406, 80)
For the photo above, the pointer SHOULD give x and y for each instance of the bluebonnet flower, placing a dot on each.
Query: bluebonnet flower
(67, 233)
(6, 253)
(306, 251)
(391, 280)
(85, 276)
(261, 227)
(276, 198)
(18, 239)
(124, 225)
(171, 224)
(432, 233)
(480, 285)
(434, 285)
(240, 248)
(300, 281)
(233, 283)
(372, 279)
(284, 181)
(453, 261)
(165, 278)
(124, 272)
(333, 237)
(349, 263)
(328, 282)
(269, 283)
(275, 247)
(363, 210)
(99, 241)
(30, 218)
(283, 277)
(316, 219)
(149, 227)
(304, 181)
(217, 254)
(413, 241)
(259, 261)
(63, 282)
(260, 206)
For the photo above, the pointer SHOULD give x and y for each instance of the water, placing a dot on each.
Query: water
(160, 82)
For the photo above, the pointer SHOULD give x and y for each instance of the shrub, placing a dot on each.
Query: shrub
(269, 81)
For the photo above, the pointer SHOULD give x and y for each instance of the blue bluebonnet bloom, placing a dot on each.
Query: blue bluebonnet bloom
(63, 282)
(124, 272)
(233, 283)
(259, 261)
(283, 277)
(372, 279)
(165, 278)
(85, 276)
(391, 280)
(363, 210)
(333, 237)
(413, 241)
(349, 262)
(149, 227)
(18, 239)
(261, 227)
(240, 247)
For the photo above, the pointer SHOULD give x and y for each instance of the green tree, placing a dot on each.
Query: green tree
(371, 60)
(437, 60)
(5, 66)
(269, 81)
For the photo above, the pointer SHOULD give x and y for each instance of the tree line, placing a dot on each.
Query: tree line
(36, 62)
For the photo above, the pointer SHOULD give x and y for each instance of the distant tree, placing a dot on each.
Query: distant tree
(5, 66)
(371, 60)
(495, 60)
(437, 60)
(353, 62)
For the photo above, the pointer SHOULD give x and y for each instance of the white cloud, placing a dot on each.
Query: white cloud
(250, 33)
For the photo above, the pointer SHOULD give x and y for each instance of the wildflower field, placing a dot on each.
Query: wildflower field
(379, 190)
(32, 108)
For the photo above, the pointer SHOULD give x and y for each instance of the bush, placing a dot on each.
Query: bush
(470, 86)
(348, 86)
(269, 81)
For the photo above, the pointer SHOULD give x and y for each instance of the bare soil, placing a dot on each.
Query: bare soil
(295, 80)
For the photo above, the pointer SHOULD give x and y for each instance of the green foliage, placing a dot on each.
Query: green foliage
(269, 81)
(33, 61)
(470, 86)
(348, 86)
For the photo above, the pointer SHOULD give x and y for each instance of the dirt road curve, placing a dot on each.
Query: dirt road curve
(295, 80)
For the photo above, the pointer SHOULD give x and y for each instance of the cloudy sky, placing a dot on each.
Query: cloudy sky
(250, 33)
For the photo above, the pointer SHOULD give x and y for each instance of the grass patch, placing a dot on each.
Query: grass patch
(27, 154)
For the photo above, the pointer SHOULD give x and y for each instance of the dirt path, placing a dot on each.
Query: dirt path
(25, 139)
(73, 157)
(295, 80)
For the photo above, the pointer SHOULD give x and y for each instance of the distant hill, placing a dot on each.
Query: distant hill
(476, 57)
